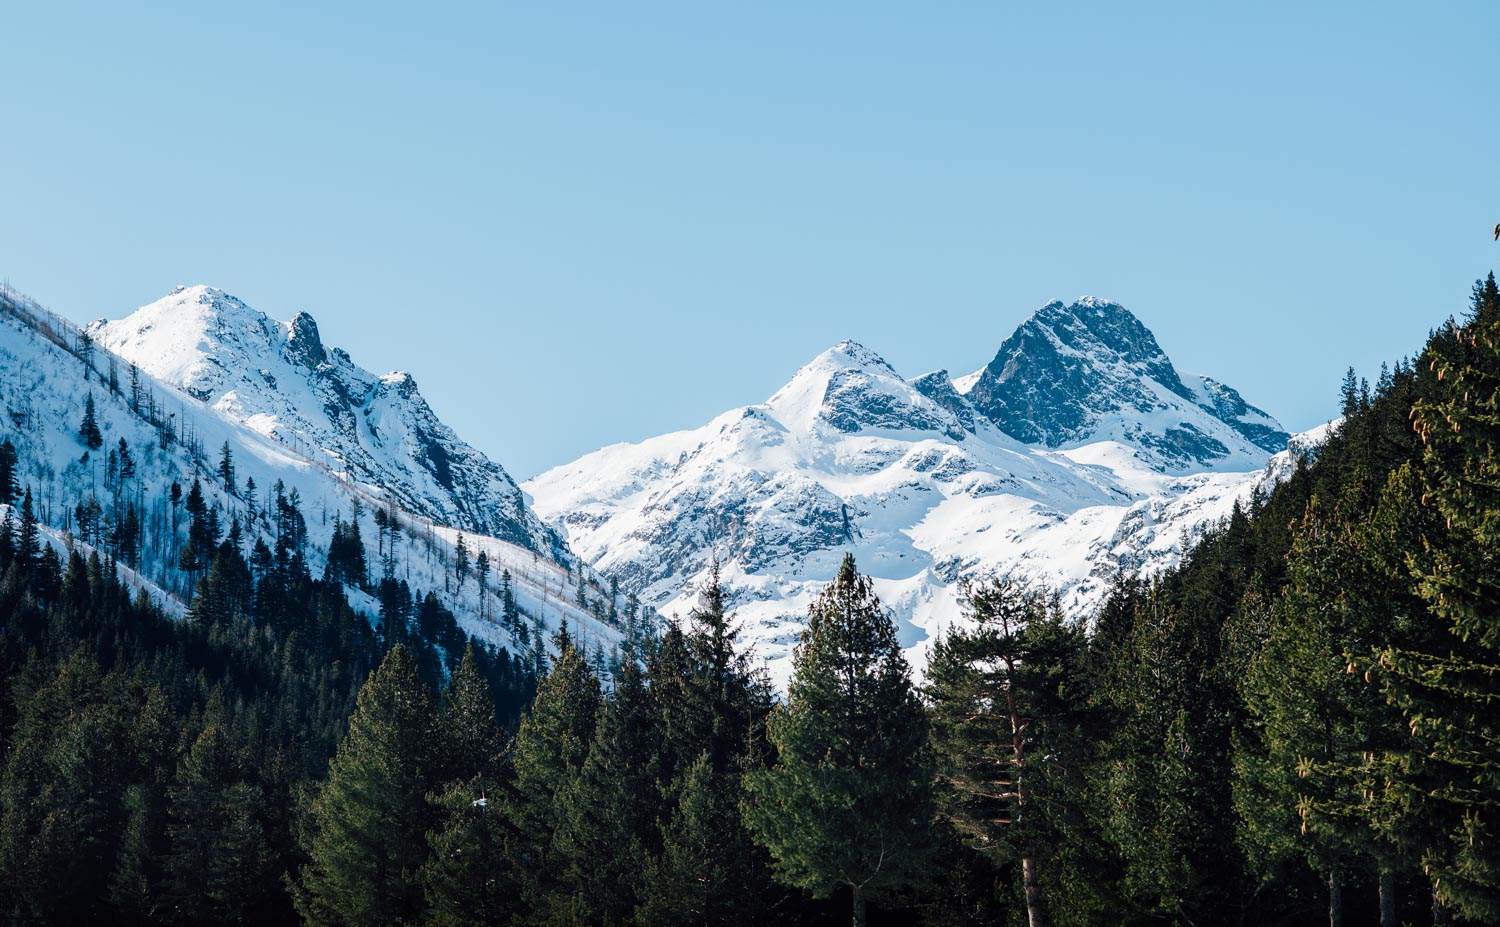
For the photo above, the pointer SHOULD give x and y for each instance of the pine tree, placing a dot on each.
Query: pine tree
(9, 483)
(705, 873)
(1305, 761)
(510, 615)
(850, 803)
(460, 562)
(469, 879)
(62, 798)
(88, 431)
(482, 567)
(197, 554)
(611, 807)
(1003, 692)
(1349, 394)
(467, 728)
(219, 865)
(28, 536)
(367, 825)
(548, 752)
(1446, 684)
(226, 468)
(126, 461)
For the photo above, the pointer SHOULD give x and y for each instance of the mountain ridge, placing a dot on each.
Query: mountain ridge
(48, 368)
(279, 379)
(920, 482)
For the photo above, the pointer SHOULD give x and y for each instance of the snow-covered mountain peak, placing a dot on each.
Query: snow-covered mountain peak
(281, 380)
(295, 421)
(176, 337)
(1079, 373)
(850, 388)
(1078, 453)
(1102, 329)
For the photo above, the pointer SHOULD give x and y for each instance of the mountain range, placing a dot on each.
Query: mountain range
(1079, 452)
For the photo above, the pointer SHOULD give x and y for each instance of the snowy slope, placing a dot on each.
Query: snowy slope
(44, 382)
(1096, 455)
(278, 379)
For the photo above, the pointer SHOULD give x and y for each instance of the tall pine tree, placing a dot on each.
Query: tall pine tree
(366, 832)
(850, 802)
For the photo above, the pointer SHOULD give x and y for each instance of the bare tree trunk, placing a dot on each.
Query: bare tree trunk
(858, 906)
(1387, 898)
(1335, 897)
(1034, 914)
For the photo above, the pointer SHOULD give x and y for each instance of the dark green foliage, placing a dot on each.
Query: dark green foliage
(468, 730)
(608, 828)
(226, 469)
(219, 865)
(549, 752)
(849, 803)
(88, 429)
(365, 830)
(1444, 678)
(1007, 710)
(10, 486)
(346, 555)
(148, 765)
(1299, 719)
(706, 870)
(469, 876)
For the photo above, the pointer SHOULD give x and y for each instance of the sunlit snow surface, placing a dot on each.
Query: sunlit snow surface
(848, 456)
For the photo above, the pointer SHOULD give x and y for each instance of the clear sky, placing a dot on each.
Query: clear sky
(581, 224)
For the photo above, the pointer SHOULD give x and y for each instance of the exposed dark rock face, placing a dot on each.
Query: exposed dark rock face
(303, 345)
(1068, 367)
(938, 387)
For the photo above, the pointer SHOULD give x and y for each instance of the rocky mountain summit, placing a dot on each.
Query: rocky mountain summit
(1080, 451)
(1081, 372)
(279, 379)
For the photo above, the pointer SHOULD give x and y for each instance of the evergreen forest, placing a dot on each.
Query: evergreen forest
(1298, 725)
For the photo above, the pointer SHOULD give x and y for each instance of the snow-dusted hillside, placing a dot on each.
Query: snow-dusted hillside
(1079, 452)
(211, 371)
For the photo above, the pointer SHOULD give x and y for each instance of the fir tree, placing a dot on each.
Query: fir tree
(226, 468)
(88, 431)
(9, 483)
(610, 807)
(1302, 770)
(1447, 685)
(470, 736)
(548, 753)
(219, 865)
(1004, 727)
(367, 825)
(126, 461)
(510, 615)
(469, 879)
(694, 880)
(482, 567)
(28, 536)
(850, 803)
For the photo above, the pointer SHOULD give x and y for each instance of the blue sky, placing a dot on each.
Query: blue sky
(580, 224)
